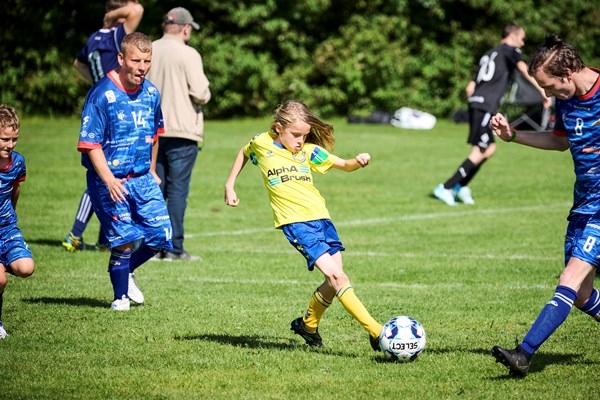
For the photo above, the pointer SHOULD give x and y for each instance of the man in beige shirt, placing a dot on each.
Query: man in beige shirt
(178, 73)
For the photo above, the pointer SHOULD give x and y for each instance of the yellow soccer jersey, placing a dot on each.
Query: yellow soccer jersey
(288, 178)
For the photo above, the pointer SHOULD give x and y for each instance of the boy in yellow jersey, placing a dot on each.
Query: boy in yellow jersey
(286, 155)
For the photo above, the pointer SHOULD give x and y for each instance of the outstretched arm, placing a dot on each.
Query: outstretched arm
(544, 140)
(360, 161)
(231, 198)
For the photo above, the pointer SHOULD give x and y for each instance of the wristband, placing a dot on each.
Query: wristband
(513, 136)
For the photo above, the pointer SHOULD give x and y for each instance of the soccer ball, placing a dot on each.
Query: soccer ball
(402, 339)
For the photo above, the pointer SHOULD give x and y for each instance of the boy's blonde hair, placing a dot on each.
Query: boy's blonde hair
(9, 118)
(321, 133)
(136, 40)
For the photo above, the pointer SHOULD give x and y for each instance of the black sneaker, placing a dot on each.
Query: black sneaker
(170, 256)
(312, 339)
(374, 343)
(517, 362)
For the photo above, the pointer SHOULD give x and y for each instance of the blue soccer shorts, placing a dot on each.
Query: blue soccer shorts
(12, 246)
(583, 238)
(143, 215)
(313, 239)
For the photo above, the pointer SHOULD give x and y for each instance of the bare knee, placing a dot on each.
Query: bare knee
(23, 267)
(3, 279)
(337, 280)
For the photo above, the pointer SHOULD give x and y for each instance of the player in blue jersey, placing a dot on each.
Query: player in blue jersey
(94, 60)
(559, 70)
(15, 257)
(287, 155)
(120, 124)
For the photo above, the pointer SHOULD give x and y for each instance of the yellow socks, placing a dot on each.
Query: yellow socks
(355, 308)
(317, 307)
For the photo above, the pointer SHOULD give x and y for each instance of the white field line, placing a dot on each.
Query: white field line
(418, 286)
(399, 218)
(354, 253)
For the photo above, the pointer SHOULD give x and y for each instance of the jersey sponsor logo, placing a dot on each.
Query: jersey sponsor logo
(279, 171)
(476, 99)
(159, 218)
(115, 163)
(581, 107)
(86, 119)
(286, 174)
(121, 115)
(318, 156)
(110, 96)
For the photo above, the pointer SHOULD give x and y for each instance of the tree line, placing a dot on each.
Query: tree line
(338, 56)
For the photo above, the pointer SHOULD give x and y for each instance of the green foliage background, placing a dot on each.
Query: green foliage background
(339, 56)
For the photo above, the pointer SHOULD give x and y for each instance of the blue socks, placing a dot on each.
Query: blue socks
(592, 306)
(140, 256)
(84, 213)
(551, 317)
(118, 268)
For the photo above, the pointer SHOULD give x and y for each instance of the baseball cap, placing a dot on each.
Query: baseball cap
(180, 16)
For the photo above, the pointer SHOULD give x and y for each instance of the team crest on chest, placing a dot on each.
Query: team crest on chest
(299, 156)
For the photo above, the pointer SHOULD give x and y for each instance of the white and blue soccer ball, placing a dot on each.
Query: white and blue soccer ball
(402, 338)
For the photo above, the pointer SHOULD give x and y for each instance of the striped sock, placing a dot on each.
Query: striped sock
(118, 268)
(317, 307)
(84, 213)
(554, 313)
(355, 308)
(592, 306)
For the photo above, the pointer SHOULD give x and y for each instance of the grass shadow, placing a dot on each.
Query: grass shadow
(58, 243)
(70, 301)
(261, 342)
(539, 361)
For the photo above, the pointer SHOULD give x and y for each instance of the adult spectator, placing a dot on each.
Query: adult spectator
(178, 73)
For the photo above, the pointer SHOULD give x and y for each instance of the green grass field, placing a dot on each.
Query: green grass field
(474, 276)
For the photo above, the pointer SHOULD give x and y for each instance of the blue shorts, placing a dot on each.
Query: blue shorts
(143, 215)
(313, 239)
(583, 238)
(12, 246)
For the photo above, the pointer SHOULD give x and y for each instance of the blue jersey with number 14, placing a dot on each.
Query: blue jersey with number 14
(125, 124)
(579, 120)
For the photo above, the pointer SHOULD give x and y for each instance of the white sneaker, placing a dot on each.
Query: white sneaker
(3, 333)
(444, 194)
(464, 195)
(120, 305)
(133, 291)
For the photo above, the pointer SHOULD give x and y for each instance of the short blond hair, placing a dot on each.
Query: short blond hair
(9, 118)
(137, 40)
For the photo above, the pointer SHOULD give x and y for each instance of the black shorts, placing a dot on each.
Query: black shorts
(480, 133)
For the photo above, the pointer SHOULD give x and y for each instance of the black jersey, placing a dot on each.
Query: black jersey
(495, 69)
